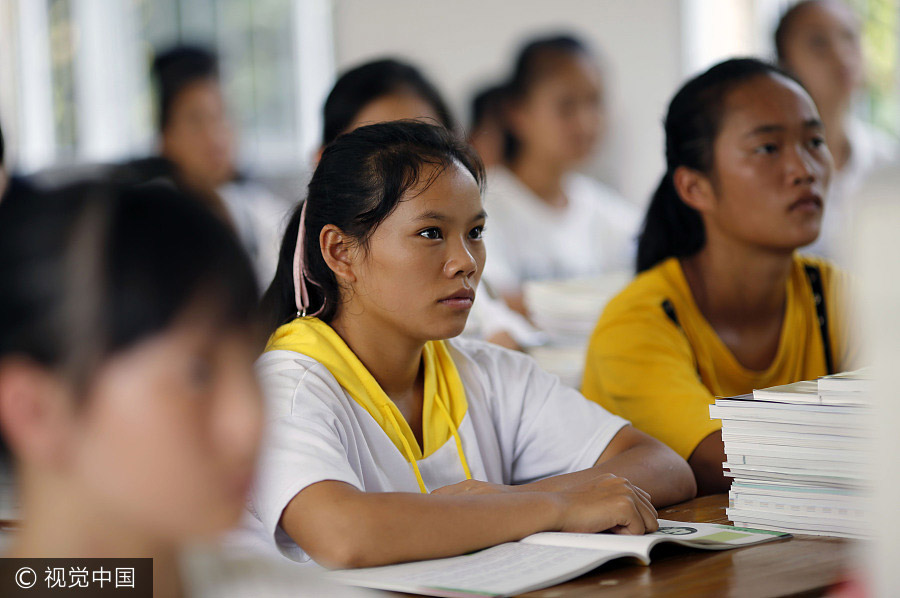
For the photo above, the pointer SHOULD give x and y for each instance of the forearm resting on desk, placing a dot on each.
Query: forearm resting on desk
(340, 526)
(644, 461)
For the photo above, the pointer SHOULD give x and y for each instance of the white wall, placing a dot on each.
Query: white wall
(464, 44)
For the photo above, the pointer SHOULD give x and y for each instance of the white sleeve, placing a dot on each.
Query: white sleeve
(490, 315)
(501, 269)
(551, 428)
(303, 446)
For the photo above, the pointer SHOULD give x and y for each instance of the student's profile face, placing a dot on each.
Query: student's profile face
(823, 50)
(771, 167)
(561, 117)
(428, 251)
(167, 436)
(198, 137)
(395, 106)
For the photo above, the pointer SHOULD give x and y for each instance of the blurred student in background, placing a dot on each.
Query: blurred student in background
(388, 90)
(818, 41)
(380, 91)
(547, 220)
(128, 401)
(487, 129)
(723, 304)
(197, 137)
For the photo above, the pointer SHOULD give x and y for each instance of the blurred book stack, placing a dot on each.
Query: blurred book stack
(799, 455)
(567, 311)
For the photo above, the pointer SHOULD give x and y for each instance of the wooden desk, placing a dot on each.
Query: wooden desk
(800, 566)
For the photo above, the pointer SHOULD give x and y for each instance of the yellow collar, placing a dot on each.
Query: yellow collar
(444, 397)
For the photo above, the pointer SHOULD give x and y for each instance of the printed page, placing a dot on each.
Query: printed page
(708, 536)
(805, 391)
(503, 570)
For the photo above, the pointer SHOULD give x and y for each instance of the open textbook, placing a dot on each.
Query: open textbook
(542, 560)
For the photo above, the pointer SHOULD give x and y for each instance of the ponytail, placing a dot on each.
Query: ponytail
(671, 227)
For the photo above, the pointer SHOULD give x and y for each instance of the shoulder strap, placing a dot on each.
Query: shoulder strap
(669, 310)
(815, 283)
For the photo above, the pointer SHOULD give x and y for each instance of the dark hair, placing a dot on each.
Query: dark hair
(487, 103)
(92, 268)
(365, 83)
(671, 227)
(176, 68)
(531, 65)
(2, 147)
(359, 181)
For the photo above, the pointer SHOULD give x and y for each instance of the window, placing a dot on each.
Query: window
(715, 30)
(81, 74)
(880, 27)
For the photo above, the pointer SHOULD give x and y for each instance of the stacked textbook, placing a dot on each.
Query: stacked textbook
(567, 311)
(542, 560)
(799, 455)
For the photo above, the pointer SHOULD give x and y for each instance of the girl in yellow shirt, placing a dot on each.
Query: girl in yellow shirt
(722, 304)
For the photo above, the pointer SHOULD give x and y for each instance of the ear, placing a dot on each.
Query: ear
(694, 188)
(35, 413)
(318, 155)
(338, 252)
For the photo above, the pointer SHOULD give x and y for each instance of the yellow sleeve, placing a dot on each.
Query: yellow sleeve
(640, 366)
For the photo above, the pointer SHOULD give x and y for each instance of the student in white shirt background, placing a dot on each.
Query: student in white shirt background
(819, 42)
(197, 137)
(548, 221)
(388, 443)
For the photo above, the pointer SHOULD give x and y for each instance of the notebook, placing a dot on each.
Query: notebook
(542, 560)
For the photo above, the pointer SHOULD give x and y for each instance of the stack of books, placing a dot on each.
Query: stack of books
(567, 311)
(799, 455)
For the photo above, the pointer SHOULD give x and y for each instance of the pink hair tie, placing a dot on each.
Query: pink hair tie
(301, 274)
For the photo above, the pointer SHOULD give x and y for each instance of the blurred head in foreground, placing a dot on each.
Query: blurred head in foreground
(128, 405)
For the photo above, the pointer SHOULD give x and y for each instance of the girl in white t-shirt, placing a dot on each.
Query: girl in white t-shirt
(387, 443)
(547, 220)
